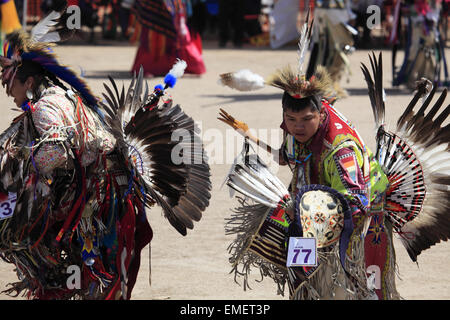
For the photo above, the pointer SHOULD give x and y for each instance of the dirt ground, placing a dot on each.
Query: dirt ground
(196, 266)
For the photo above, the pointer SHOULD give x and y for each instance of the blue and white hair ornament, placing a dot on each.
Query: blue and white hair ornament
(176, 72)
(170, 80)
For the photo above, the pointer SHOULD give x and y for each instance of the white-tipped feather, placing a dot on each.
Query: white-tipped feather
(248, 185)
(303, 44)
(251, 195)
(242, 80)
(260, 186)
(266, 182)
(41, 29)
(274, 180)
(51, 37)
(178, 68)
(266, 178)
(254, 180)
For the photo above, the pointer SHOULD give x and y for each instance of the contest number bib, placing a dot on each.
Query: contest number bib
(302, 252)
(7, 204)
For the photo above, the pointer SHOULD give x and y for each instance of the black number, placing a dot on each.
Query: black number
(6, 208)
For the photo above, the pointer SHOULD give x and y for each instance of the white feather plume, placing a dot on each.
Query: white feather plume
(303, 44)
(39, 31)
(242, 80)
(178, 68)
(302, 47)
(51, 37)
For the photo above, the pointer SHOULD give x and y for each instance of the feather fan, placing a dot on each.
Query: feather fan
(251, 177)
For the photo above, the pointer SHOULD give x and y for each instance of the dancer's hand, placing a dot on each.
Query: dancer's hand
(237, 125)
(290, 213)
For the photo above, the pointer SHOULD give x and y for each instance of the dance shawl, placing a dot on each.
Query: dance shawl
(157, 15)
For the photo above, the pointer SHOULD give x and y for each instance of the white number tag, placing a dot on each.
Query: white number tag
(7, 204)
(302, 252)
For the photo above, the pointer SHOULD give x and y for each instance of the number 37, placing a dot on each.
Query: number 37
(298, 251)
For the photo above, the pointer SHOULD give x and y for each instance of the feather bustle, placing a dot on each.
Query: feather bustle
(415, 158)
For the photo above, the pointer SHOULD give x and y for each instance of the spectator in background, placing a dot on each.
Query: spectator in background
(212, 13)
(164, 37)
(196, 12)
(8, 17)
(332, 40)
(359, 8)
(231, 18)
(251, 17)
(124, 16)
(424, 55)
(89, 16)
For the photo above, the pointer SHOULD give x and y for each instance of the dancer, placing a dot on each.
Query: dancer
(77, 174)
(332, 40)
(356, 258)
(424, 46)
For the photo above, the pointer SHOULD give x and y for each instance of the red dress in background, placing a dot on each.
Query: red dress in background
(164, 37)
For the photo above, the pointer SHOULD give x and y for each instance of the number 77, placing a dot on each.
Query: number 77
(297, 252)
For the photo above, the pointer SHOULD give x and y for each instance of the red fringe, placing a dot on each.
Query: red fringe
(78, 205)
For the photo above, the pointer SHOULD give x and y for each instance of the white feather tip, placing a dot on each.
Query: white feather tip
(178, 68)
(242, 80)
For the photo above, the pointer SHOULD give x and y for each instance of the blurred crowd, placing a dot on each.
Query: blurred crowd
(166, 30)
(229, 22)
(117, 18)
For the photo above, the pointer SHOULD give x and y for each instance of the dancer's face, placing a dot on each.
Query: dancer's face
(19, 89)
(302, 124)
